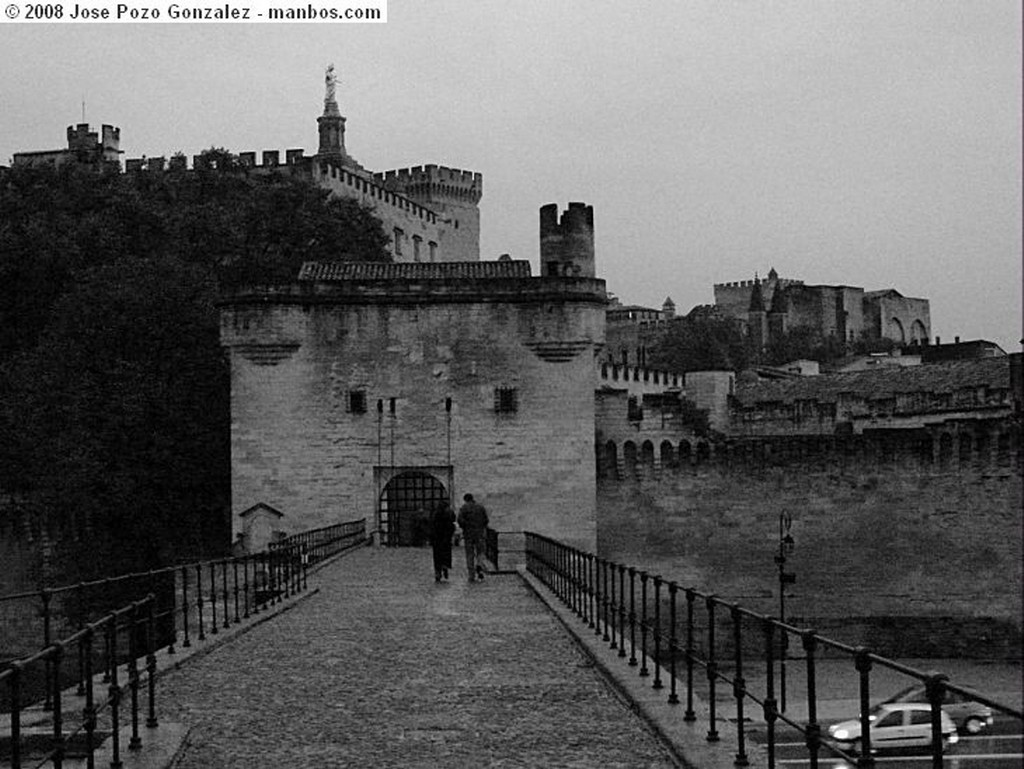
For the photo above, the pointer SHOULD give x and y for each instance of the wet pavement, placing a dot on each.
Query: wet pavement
(382, 667)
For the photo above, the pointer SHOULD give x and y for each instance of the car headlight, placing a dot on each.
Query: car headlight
(953, 738)
(841, 734)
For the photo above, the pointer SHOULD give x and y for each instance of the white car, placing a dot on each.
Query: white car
(894, 726)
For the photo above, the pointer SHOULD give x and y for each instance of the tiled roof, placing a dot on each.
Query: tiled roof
(937, 377)
(339, 271)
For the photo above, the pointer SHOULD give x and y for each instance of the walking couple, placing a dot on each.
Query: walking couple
(473, 521)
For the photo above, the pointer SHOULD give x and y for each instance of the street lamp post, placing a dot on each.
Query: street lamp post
(786, 547)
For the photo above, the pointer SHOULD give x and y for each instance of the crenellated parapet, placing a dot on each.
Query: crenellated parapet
(650, 449)
(434, 182)
(637, 378)
(343, 181)
(779, 282)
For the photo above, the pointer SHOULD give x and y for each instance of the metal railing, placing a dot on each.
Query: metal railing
(317, 545)
(120, 639)
(190, 602)
(639, 615)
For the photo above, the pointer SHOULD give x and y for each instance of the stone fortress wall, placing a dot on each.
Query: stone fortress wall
(906, 506)
(905, 542)
(485, 377)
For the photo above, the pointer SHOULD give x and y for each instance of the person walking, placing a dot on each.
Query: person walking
(442, 527)
(473, 522)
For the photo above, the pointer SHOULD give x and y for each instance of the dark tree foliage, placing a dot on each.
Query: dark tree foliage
(803, 342)
(701, 343)
(114, 392)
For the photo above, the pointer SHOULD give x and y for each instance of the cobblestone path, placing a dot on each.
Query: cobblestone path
(385, 668)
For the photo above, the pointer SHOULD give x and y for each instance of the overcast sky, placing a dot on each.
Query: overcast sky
(859, 142)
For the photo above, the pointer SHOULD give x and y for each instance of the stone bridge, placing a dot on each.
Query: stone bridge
(374, 664)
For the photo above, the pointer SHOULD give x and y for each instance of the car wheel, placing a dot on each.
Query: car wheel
(973, 725)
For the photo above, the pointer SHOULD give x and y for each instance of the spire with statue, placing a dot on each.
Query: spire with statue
(331, 123)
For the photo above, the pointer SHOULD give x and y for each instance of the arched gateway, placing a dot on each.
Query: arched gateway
(405, 503)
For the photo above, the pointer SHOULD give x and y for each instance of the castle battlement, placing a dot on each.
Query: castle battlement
(611, 372)
(761, 281)
(380, 194)
(81, 138)
(434, 181)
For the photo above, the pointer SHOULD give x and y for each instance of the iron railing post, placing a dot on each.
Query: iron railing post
(89, 711)
(591, 598)
(632, 616)
(184, 607)
(643, 625)
(712, 670)
(234, 570)
(151, 721)
(57, 756)
(213, 599)
(673, 643)
(602, 585)
(15, 689)
(133, 674)
(622, 610)
(739, 684)
(771, 706)
(224, 593)
(46, 596)
(199, 601)
(813, 728)
(245, 586)
(689, 715)
(114, 695)
(657, 634)
(935, 688)
(863, 664)
(609, 603)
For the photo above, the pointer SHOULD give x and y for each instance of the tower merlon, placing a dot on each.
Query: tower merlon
(567, 243)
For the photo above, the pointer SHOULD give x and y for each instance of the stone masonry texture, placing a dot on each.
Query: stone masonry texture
(385, 668)
(910, 560)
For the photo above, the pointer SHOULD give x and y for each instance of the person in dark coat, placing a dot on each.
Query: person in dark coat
(442, 527)
(473, 520)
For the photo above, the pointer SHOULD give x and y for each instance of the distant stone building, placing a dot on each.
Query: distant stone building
(85, 147)
(773, 306)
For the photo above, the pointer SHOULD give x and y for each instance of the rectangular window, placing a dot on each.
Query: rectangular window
(433, 250)
(416, 241)
(635, 410)
(398, 240)
(506, 400)
(357, 401)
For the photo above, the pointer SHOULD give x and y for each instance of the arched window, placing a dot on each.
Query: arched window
(896, 331)
(668, 455)
(647, 454)
(684, 452)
